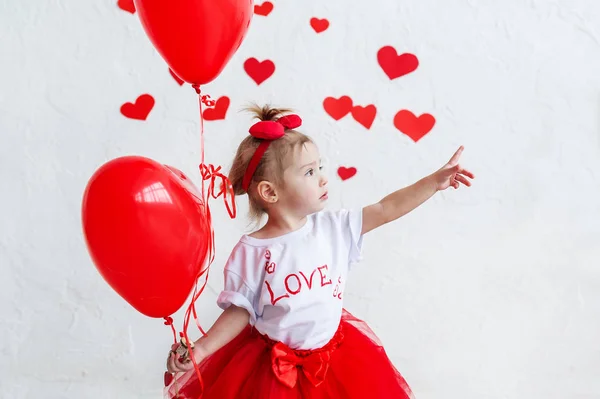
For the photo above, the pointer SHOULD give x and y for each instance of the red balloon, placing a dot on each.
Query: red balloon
(196, 38)
(146, 231)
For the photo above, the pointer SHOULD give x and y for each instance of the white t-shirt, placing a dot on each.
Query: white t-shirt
(293, 285)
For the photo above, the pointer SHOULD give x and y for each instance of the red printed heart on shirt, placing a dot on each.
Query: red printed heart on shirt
(364, 115)
(395, 65)
(218, 111)
(337, 108)
(259, 71)
(413, 126)
(140, 109)
(263, 9)
(177, 78)
(346, 173)
(126, 5)
(319, 25)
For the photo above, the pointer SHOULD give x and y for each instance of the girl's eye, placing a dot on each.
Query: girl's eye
(309, 172)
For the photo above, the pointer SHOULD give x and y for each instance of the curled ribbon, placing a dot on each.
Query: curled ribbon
(204, 99)
(286, 362)
(209, 172)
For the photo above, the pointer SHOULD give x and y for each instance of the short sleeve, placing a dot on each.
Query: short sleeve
(236, 292)
(241, 283)
(350, 222)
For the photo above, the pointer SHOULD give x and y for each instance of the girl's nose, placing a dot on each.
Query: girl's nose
(323, 180)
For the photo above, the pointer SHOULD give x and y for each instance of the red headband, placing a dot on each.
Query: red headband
(267, 131)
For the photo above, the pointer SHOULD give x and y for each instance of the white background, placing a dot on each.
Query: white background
(491, 292)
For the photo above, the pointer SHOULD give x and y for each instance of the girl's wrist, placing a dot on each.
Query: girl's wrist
(431, 182)
(200, 349)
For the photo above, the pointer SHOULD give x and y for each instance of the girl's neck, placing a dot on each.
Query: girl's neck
(278, 226)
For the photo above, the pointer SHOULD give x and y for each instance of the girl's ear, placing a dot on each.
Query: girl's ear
(266, 192)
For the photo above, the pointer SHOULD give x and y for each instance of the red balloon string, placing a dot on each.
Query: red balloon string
(169, 322)
(209, 174)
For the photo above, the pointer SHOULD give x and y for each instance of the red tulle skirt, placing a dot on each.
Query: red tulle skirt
(352, 365)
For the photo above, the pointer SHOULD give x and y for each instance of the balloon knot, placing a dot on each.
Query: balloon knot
(168, 321)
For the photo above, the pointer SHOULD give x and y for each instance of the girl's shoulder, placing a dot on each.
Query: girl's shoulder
(339, 220)
(244, 260)
(242, 251)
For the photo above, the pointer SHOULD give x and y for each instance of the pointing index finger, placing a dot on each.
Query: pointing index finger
(456, 156)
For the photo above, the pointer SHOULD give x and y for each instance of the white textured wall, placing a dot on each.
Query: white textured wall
(491, 292)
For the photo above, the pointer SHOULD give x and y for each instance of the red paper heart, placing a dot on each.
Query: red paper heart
(140, 110)
(126, 5)
(177, 78)
(413, 126)
(346, 173)
(259, 71)
(218, 111)
(168, 378)
(337, 108)
(364, 115)
(263, 9)
(395, 65)
(319, 25)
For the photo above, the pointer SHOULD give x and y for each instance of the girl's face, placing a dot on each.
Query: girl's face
(305, 186)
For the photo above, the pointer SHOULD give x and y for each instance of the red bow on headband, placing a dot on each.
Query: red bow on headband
(267, 131)
(272, 130)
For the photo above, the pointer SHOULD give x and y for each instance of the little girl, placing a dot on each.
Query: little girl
(284, 332)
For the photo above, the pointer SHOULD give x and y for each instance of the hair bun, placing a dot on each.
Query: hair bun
(267, 113)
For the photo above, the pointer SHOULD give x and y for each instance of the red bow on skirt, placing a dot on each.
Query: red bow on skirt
(286, 364)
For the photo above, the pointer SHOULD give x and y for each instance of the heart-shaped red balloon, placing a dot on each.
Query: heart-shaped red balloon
(146, 230)
(196, 38)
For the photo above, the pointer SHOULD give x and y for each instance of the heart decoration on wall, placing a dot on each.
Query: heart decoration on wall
(395, 65)
(337, 108)
(219, 111)
(413, 126)
(126, 5)
(346, 173)
(319, 25)
(259, 71)
(140, 109)
(263, 9)
(364, 115)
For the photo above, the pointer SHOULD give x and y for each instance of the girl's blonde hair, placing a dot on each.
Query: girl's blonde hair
(272, 164)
